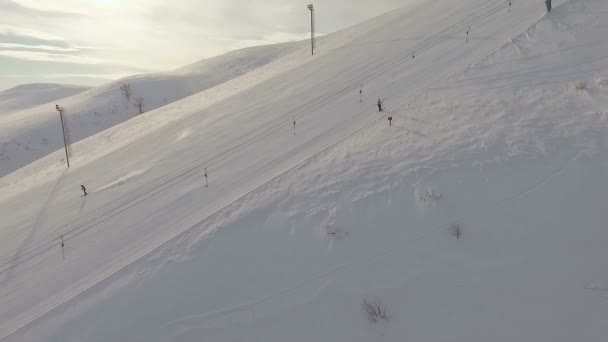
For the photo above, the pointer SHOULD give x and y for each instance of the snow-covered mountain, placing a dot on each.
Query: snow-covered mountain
(30, 95)
(478, 215)
(33, 133)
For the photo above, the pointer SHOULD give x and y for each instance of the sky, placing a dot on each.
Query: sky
(91, 42)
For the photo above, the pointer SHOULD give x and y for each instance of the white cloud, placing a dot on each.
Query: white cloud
(42, 56)
(36, 47)
(169, 34)
(27, 32)
(66, 75)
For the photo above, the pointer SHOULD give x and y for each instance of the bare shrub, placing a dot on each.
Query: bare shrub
(456, 230)
(335, 231)
(580, 86)
(375, 310)
(139, 103)
(428, 195)
(126, 90)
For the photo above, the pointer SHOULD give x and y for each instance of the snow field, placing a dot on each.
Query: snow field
(295, 232)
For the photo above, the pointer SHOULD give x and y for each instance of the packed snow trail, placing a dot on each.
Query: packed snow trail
(269, 128)
(320, 94)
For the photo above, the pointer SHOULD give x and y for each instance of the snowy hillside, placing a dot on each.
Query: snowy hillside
(30, 95)
(479, 215)
(33, 133)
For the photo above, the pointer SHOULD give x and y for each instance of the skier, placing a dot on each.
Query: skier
(84, 189)
(379, 105)
(548, 3)
(206, 179)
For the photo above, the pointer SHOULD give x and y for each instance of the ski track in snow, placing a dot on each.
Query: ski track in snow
(123, 180)
(516, 30)
(522, 24)
(156, 189)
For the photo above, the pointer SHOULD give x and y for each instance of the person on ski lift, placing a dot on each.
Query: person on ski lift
(379, 105)
(84, 189)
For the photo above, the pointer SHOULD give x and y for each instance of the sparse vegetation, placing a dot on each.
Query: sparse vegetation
(580, 86)
(126, 90)
(139, 103)
(335, 231)
(428, 195)
(375, 310)
(456, 230)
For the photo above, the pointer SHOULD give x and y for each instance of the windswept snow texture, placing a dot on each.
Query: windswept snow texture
(28, 135)
(30, 95)
(505, 136)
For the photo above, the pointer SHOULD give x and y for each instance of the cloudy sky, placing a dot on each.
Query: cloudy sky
(93, 41)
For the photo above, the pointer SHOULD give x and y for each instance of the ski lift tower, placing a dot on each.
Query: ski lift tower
(312, 28)
(66, 134)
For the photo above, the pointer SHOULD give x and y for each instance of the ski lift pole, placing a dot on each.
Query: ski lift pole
(62, 248)
(311, 8)
(63, 129)
(361, 94)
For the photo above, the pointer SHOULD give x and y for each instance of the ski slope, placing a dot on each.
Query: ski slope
(505, 135)
(30, 134)
(30, 95)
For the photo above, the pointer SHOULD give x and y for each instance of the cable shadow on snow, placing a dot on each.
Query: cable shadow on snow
(10, 266)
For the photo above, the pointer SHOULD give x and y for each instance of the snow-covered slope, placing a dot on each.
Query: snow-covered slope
(504, 136)
(30, 95)
(33, 133)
